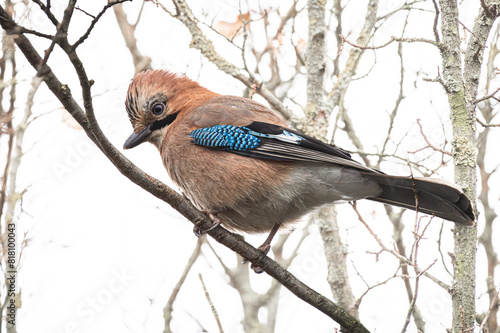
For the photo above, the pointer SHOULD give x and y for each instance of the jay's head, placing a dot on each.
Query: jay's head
(155, 99)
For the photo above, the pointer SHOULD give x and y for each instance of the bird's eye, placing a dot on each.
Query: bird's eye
(158, 109)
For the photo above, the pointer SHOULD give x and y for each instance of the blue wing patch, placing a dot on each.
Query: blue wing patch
(238, 138)
(226, 137)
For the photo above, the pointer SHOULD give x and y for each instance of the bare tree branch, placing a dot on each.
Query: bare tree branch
(429, 144)
(479, 100)
(46, 10)
(397, 255)
(95, 20)
(482, 123)
(486, 239)
(141, 62)
(493, 305)
(345, 77)
(212, 306)
(461, 85)
(169, 307)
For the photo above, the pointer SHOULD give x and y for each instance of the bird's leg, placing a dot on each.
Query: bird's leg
(198, 232)
(264, 248)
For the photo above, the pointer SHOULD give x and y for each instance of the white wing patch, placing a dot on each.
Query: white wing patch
(285, 136)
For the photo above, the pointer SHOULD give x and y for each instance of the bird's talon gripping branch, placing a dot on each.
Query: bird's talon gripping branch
(198, 231)
(264, 248)
(258, 268)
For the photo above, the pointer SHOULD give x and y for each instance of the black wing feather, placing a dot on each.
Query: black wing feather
(308, 149)
(308, 142)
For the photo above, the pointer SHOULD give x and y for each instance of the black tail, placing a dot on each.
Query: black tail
(435, 197)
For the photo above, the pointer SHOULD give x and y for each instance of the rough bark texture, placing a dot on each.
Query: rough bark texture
(461, 97)
(336, 256)
(316, 121)
(317, 118)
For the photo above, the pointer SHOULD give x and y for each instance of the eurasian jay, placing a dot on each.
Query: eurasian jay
(239, 161)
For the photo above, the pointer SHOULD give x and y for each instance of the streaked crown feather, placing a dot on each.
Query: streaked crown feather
(179, 93)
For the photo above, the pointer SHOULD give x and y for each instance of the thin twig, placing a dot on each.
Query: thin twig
(95, 20)
(400, 97)
(397, 255)
(369, 288)
(486, 97)
(167, 310)
(409, 6)
(393, 39)
(411, 309)
(439, 248)
(429, 144)
(492, 305)
(46, 10)
(482, 123)
(415, 246)
(212, 306)
(83, 11)
(366, 47)
(35, 33)
(470, 31)
(436, 20)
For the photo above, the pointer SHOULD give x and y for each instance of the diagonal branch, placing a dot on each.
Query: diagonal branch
(169, 307)
(95, 20)
(141, 62)
(46, 10)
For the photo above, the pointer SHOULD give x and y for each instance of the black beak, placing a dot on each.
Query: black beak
(136, 139)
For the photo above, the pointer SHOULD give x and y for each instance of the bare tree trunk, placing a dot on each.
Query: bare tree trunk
(336, 256)
(487, 236)
(462, 92)
(317, 118)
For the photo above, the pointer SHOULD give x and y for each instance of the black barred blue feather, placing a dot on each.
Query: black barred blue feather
(238, 138)
(225, 137)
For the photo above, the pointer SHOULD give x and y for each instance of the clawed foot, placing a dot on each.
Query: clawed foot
(264, 248)
(198, 232)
